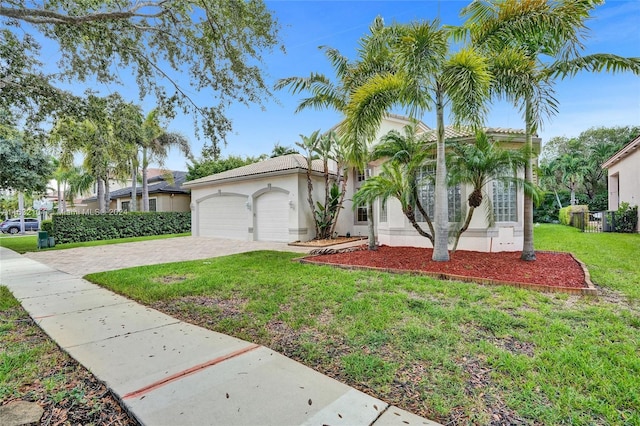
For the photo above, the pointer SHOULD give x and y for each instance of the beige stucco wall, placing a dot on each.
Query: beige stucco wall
(164, 203)
(502, 236)
(300, 220)
(624, 181)
(396, 231)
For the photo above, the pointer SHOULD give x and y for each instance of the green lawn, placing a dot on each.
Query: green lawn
(613, 259)
(23, 244)
(453, 352)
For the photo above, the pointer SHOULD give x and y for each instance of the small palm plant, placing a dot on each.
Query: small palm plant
(478, 164)
(406, 153)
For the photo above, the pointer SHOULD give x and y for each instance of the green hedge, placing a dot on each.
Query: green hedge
(73, 228)
(47, 225)
(565, 213)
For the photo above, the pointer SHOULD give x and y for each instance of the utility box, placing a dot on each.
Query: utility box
(52, 242)
(43, 239)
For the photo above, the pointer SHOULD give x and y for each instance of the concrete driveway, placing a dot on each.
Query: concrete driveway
(86, 260)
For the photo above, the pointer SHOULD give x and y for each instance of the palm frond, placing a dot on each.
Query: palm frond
(593, 63)
(467, 80)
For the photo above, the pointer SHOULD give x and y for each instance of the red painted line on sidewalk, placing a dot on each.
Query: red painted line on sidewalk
(188, 371)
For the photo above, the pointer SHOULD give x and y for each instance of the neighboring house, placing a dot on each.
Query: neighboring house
(267, 201)
(78, 203)
(624, 175)
(165, 195)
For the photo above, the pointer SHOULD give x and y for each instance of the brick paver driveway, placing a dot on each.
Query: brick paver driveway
(86, 260)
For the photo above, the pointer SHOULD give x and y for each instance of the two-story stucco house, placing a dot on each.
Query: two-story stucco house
(268, 201)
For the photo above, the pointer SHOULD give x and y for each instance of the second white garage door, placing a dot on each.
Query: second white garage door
(272, 217)
(224, 217)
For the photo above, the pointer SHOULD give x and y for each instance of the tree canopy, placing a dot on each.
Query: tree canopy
(208, 166)
(574, 164)
(217, 45)
(22, 170)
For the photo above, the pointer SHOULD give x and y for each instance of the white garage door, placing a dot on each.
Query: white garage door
(224, 217)
(272, 217)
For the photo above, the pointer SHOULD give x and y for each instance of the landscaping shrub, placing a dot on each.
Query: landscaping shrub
(548, 210)
(565, 215)
(72, 228)
(626, 218)
(47, 225)
(600, 202)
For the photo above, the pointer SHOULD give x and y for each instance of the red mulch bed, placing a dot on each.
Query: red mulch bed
(551, 269)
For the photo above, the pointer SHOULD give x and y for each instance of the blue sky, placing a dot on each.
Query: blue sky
(587, 100)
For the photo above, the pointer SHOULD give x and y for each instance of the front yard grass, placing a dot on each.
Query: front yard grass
(23, 244)
(454, 352)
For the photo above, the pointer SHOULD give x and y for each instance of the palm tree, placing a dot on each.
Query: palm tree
(414, 151)
(156, 143)
(478, 164)
(94, 134)
(61, 176)
(85, 137)
(310, 145)
(80, 182)
(548, 38)
(394, 181)
(280, 150)
(571, 170)
(128, 120)
(429, 77)
(326, 94)
(406, 154)
(548, 180)
(343, 165)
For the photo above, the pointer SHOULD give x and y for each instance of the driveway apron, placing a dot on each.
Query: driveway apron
(86, 260)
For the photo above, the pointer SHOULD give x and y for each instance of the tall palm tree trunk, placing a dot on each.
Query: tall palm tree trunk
(573, 193)
(371, 228)
(145, 186)
(100, 194)
(60, 197)
(440, 248)
(133, 205)
(343, 192)
(528, 252)
(310, 199)
(107, 194)
(21, 209)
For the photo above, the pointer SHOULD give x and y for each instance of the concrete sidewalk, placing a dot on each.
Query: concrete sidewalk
(167, 372)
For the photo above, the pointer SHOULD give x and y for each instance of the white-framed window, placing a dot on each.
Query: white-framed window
(383, 211)
(427, 195)
(361, 211)
(505, 202)
(152, 204)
